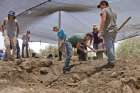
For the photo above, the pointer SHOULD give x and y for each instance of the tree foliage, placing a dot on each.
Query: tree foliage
(129, 48)
(48, 50)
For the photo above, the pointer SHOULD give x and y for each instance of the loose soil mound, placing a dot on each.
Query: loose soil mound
(39, 76)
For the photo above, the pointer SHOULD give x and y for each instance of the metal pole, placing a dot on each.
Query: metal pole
(59, 19)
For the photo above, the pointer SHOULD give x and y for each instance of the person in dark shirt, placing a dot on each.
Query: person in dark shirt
(18, 49)
(82, 42)
(82, 47)
(97, 42)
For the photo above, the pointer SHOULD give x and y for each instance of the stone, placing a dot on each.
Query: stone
(124, 80)
(114, 75)
(3, 81)
(115, 84)
(75, 78)
(43, 71)
(127, 89)
(45, 63)
(14, 90)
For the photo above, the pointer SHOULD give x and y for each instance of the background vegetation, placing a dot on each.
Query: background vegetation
(129, 48)
(49, 50)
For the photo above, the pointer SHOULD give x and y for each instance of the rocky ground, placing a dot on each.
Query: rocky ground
(37, 76)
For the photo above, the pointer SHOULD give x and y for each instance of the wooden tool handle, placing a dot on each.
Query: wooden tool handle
(124, 23)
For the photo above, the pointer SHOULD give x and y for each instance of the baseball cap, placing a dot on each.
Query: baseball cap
(55, 29)
(11, 13)
(102, 2)
(28, 31)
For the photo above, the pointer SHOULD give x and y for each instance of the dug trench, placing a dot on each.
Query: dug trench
(40, 76)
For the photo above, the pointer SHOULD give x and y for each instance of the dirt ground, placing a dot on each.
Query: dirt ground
(35, 76)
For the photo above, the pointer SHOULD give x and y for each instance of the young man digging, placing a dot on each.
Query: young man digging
(65, 47)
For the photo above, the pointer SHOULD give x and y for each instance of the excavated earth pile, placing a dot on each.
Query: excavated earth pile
(41, 76)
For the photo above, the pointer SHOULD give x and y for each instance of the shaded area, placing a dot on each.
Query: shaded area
(77, 16)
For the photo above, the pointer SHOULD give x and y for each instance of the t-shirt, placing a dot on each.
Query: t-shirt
(81, 44)
(61, 37)
(11, 27)
(75, 39)
(25, 39)
(111, 18)
(96, 39)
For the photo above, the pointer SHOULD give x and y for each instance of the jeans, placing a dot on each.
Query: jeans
(110, 49)
(27, 52)
(18, 49)
(10, 44)
(60, 55)
(98, 54)
(1, 56)
(81, 55)
(95, 46)
(69, 52)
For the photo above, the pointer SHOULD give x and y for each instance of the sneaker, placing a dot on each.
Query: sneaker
(111, 65)
(68, 69)
(65, 70)
(108, 65)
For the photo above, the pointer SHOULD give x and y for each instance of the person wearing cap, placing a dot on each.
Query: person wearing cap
(55, 29)
(97, 42)
(18, 49)
(65, 47)
(10, 30)
(25, 43)
(108, 23)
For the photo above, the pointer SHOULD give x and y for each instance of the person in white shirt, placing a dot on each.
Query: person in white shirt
(10, 29)
(25, 43)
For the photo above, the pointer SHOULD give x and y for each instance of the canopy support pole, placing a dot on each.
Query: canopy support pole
(59, 19)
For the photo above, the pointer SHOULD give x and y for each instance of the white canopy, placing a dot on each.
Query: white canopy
(78, 16)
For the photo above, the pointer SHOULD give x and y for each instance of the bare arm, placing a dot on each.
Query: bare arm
(89, 45)
(78, 47)
(103, 20)
(91, 48)
(17, 29)
(3, 27)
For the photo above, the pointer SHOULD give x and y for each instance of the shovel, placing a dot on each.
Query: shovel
(116, 30)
